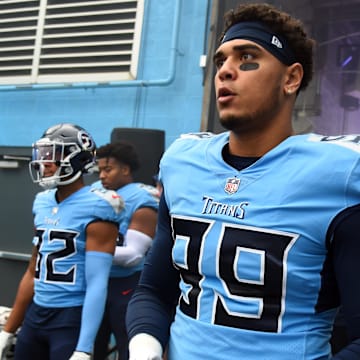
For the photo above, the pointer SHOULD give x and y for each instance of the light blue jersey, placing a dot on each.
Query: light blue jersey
(61, 240)
(136, 196)
(251, 244)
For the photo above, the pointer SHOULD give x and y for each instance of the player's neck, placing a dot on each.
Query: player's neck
(126, 181)
(65, 191)
(256, 145)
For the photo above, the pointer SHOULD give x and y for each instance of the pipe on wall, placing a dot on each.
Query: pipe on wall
(9, 255)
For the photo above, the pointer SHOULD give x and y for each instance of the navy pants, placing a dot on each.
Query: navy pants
(48, 334)
(120, 291)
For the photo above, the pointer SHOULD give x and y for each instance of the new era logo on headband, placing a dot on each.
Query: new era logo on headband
(275, 41)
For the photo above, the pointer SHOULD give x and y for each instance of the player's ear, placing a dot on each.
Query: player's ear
(294, 75)
(125, 169)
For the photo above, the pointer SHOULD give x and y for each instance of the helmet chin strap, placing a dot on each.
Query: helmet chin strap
(71, 180)
(51, 182)
(48, 182)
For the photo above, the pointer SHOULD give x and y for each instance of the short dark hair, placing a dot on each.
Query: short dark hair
(122, 151)
(282, 24)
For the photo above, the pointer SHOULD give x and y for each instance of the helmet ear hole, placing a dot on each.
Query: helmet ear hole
(82, 162)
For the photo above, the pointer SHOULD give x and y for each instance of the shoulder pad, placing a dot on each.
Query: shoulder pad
(112, 197)
(348, 141)
(152, 190)
(197, 135)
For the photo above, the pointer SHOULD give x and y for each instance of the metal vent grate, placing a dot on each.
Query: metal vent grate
(68, 41)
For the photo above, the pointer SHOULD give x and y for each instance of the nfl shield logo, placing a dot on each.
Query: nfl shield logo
(232, 185)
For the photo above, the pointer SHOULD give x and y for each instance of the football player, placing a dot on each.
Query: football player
(61, 297)
(258, 233)
(117, 163)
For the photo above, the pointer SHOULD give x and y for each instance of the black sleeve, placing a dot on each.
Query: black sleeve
(153, 303)
(345, 247)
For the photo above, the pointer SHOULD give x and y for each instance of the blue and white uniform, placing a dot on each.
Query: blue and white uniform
(70, 283)
(123, 279)
(136, 196)
(61, 240)
(254, 252)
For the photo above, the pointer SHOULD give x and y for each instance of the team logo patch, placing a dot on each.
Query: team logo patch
(232, 185)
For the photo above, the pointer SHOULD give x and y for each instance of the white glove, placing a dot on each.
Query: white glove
(79, 355)
(144, 347)
(4, 315)
(6, 340)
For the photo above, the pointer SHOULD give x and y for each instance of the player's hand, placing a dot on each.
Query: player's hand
(144, 347)
(6, 340)
(79, 355)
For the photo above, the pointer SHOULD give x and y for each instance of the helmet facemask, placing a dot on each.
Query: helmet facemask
(64, 155)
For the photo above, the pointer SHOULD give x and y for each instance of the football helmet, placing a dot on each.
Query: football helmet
(70, 147)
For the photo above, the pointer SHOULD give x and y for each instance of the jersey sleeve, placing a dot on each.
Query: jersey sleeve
(109, 205)
(149, 197)
(345, 249)
(152, 306)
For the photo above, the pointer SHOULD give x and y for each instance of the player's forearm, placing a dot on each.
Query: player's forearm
(137, 244)
(23, 298)
(151, 308)
(97, 272)
(346, 250)
(146, 314)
